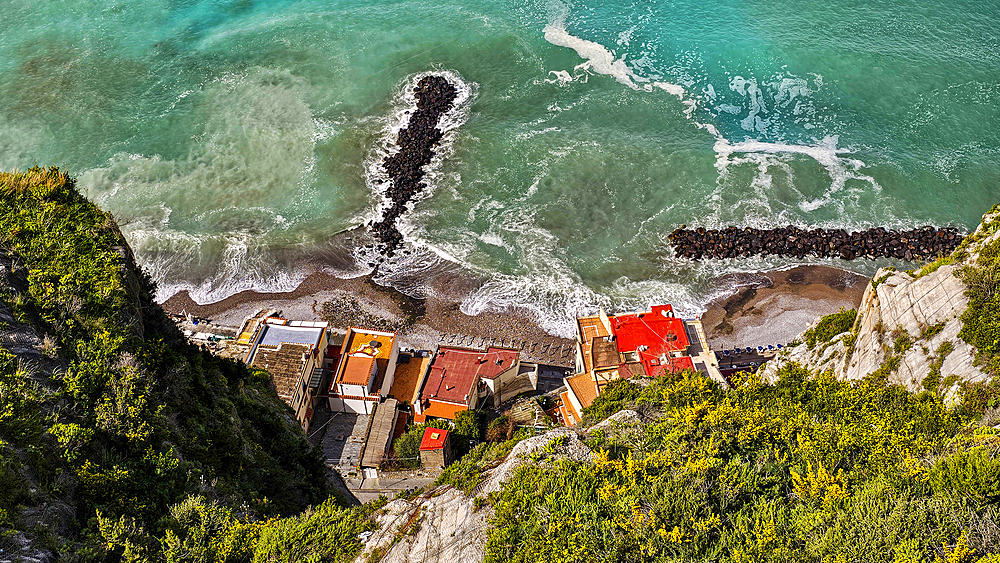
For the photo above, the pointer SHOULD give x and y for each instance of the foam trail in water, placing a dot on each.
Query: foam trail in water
(825, 152)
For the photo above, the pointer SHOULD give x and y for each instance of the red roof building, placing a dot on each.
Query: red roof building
(453, 380)
(653, 336)
(434, 439)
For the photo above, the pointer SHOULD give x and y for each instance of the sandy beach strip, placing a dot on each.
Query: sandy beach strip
(766, 308)
(420, 322)
(775, 307)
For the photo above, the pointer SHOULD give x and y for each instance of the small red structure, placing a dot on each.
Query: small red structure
(435, 448)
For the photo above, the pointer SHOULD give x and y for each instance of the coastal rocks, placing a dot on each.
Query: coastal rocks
(907, 328)
(734, 242)
(416, 142)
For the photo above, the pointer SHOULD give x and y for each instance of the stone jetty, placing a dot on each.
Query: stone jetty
(435, 97)
(734, 242)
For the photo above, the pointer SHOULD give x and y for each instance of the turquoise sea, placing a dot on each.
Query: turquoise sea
(234, 139)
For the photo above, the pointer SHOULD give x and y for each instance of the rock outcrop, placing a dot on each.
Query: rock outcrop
(907, 326)
(416, 143)
(445, 525)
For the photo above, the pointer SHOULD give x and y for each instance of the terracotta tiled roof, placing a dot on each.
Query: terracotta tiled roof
(570, 416)
(584, 388)
(497, 361)
(406, 381)
(453, 375)
(365, 343)
(358, 370)
(437, 409)
(588, 329)
(359, 340)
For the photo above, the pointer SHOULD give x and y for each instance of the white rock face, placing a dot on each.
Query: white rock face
(573, 448)
(444, 526)
(440, 529)
(901, 304)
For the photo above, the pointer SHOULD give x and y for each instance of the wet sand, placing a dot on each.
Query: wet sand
(767, 308)
(775, 307)
(418, 321)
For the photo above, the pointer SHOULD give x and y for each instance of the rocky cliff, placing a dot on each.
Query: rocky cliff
(446, 525)
(907, 326)
(109, 419)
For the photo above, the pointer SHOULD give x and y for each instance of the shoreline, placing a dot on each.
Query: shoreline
(767, 308)
(421, 323)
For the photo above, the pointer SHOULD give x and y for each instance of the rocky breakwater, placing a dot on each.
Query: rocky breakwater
(735, 242)
(416, 142)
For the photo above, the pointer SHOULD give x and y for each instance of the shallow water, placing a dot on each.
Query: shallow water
(233, 138)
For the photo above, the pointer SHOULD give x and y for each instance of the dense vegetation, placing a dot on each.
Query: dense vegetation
(830, 326)
(466, 431)
(118, 440)
(808, 469)
(981, 321)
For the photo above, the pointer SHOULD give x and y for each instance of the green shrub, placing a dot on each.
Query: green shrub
(468, 472)
(327, 533)
(888, 367)
(502, 428)
(616, 396)
(808, 469)
(932, 382)
(901, 341)
(133, 419)
(981, 320)
(878, 281)
(407, 446)
(830, 326)
(930, 331)
(973, 473)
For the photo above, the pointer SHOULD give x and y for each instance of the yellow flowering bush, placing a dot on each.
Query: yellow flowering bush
(807, 469)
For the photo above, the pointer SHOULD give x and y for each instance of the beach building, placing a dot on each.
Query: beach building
(381, 430)
(499, 371)
(646, 343)
(459, 377)
(411, 368)
(435, 449)
(292, 352)
(365, 371)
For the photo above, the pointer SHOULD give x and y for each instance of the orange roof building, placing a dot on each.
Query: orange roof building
(365, 372)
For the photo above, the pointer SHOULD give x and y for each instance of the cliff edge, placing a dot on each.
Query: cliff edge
(908, 327)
